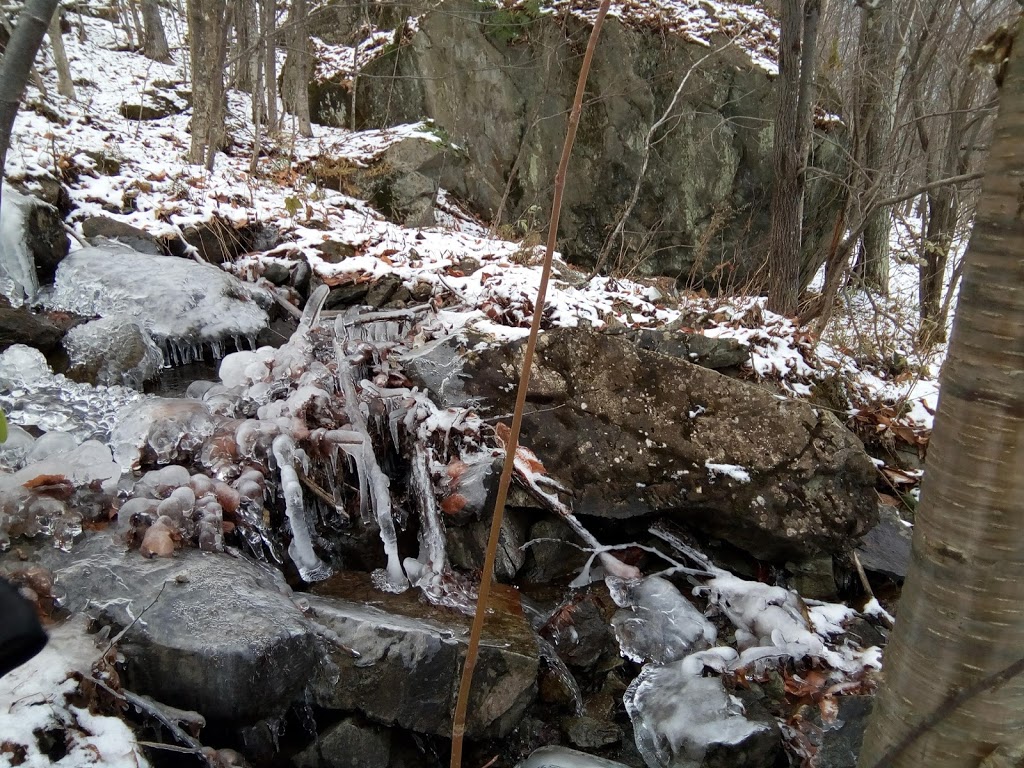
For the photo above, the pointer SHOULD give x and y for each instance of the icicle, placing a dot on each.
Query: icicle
(432, 539)
(394, 579)
(310, 567)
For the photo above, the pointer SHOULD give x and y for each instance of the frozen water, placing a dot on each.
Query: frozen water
(119, 349)
(82, 465)
(160, 429)
(15, 450)
(18, 281)
(52, 443)
(678, 715)
(563, 757)
(184, 305)
(311, 568)
(31, 395)
(655, 622)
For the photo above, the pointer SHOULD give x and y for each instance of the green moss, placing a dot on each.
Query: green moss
(508, 26)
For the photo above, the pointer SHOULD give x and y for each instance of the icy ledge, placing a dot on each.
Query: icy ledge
(185, 306)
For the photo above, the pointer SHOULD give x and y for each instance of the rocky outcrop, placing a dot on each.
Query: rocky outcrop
(20, 326)
(634, 432)
(397, 660)
(501, 84)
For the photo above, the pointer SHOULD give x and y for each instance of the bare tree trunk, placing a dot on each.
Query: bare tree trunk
(961, 617)
(207, 29)
(268, 32)
(873, 129)
(65, 86)
(246, 60)
(297, 71)
(793, 125)
(155, 45)
(17, 62)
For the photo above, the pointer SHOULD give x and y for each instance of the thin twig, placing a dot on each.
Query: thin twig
(512, 442)
(124, 631)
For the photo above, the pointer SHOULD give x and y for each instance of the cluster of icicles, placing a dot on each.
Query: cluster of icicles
(325, 414)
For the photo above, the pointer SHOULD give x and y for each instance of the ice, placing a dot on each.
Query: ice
(18, 281)
(185, 306)
(15, 450)
(160, 430)
(311, 568)
(31, 395)
(678, 715)
(52, 443)
(655, 622)
(86, 464)
(119, 349)
(563, 757)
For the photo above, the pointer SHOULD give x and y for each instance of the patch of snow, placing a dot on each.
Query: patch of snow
(737, 473)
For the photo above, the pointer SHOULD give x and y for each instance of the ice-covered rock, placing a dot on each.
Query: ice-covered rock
(31, 395)
(160, 430)
(655, 622)
(563, 757)
(112, 350)
(185, 306)
(683, 720)
(18, 281)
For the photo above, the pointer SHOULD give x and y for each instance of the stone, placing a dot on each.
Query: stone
(135, 238)
(466, 545)
(220, 634)
(277, 273)
(886, 547)
(346, 295)
(841, 742)
(633, 432)
(22, 326)
(695, 348)
(382, 290)
(552, 555)
(334, 252)
(409, 656)
(153, 105)
(702, 211)
(814, 578)
(589, 733)
(45, 237)
(348, 744)
(112, 350)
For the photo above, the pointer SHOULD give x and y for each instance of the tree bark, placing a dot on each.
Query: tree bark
(297, 71)
(246, 60)
(65, 85)
(793, 125)
(268, 31)
(876, 63)
(155, 45)
(17, 62)
(961, 616)
(207, 29)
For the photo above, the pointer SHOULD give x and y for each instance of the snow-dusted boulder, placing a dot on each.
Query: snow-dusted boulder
(634, 433)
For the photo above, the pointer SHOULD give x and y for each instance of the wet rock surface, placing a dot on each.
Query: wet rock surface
(635, 432)
(220, 635)
(18, 325)
(409, 654)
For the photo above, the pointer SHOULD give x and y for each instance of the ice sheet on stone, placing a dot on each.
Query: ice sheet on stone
(563, 757)
(184, 305)
(18, 281)
(30, 395)
(655, 622)
(14, 451)
(119, 348)
(678, 715)
(163, 429)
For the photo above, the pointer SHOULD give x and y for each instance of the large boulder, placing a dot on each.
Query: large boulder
(397, 660)
(216, 634)
(634, 432)
(500, 82)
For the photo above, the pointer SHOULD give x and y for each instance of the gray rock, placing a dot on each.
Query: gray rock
(886, 547)
(21, 326)
(555, 552)
(277, 273)
(133, 237)
(695, 348)
(467, 544)
(348, 744)
(410, 654)
(220, 634)
(346, 295)
(112, 350)
(46, 239)
(634, 432)
(382, 290)
(590, 733)
(702, 208)
(334, 252)
(841, 745)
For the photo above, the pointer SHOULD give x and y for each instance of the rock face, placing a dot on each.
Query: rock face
(20, 326)
(223, 638)
(503, 91)
(410, 655)
(634, 432)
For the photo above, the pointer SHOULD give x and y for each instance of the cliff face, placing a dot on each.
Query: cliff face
(500, 83)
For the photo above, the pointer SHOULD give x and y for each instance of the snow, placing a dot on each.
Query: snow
(737, 473)
(563, 757)
(34, 698)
